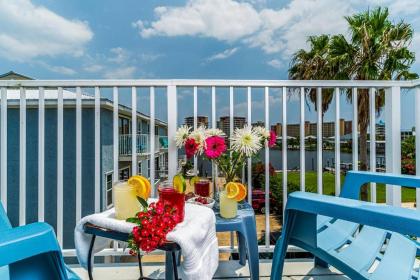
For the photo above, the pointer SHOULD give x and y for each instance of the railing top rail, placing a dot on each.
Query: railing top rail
(207, 83)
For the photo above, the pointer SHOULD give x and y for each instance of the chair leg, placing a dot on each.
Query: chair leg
(90, 256)
(281, 246)
(320, 263)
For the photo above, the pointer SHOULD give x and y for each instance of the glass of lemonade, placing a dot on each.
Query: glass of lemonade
(170, 197)
(125, 201)
(228, 206)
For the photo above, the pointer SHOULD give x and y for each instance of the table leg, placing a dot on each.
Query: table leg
(90, 256)
(241, 248)
(250, 234)
(174, 265)
(169, 272)
(140, 266)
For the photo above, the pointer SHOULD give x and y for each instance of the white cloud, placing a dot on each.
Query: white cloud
(63, 70)
(29, 31)
(275, 63)
(415, 46)
(223, 55)
(149, 57)
(119, 55)
(120, 73)
(93, 68)
(283, 30)
(225, 20)
(286, 30)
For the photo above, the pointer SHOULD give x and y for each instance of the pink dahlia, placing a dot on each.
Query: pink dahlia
(272, 139)
(215, 147)
(191, 147)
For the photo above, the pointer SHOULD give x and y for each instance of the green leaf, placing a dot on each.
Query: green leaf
(132, 220)
(142, 202)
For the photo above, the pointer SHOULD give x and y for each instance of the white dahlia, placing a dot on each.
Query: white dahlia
(246, 141)
(181, 135)
(199, 135)
(214, 132)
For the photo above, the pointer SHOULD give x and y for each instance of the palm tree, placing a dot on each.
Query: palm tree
(377, 49)
(314, 65)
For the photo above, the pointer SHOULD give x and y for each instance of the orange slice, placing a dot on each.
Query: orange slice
(242, 192)
(139, 186)
(232, 190)
(147, 183)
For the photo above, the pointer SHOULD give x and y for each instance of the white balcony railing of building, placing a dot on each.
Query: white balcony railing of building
(142, 144)
(392, 123)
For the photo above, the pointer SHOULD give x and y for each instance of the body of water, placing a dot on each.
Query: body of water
(293, 160)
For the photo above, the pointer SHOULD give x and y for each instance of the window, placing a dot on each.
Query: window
(124, 173)
(108, 189)
(125, 126)
(139, 168)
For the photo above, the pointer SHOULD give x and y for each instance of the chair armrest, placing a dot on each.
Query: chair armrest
(356, 179)
(397, 219)
(26, 241)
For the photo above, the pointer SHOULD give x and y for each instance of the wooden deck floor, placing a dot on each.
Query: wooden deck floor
(296, 270)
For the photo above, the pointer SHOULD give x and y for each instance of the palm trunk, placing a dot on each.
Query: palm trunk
(363, 114)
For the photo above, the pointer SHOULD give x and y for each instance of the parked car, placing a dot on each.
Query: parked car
(258, 201)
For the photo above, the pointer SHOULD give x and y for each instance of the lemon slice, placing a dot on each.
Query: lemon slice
(232, 190)
(193, 180)
(179, 183)
(242, 192)
(139, 186)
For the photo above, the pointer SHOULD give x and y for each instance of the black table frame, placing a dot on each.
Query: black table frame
(169, 247)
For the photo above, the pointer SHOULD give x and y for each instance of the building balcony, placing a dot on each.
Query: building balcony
(53, 165)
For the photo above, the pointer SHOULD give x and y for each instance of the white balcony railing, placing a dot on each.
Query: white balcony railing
(142, 144)
(121, 143)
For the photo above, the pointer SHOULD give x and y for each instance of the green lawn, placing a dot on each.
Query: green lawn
(408, 194)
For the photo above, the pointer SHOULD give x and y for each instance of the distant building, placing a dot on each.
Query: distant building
(380, 130)
(258, 123)
(224, 123)
(276, 128)
(348, 127)
(328, 128)
(201, 121)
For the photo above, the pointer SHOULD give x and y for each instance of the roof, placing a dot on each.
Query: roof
(48, 94)
(14, 76)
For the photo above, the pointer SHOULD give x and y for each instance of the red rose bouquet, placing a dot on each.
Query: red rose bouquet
(153, 224)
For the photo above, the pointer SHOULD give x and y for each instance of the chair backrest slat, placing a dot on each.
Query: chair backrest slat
(4, 220)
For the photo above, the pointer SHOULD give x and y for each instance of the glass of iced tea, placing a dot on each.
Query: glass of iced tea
(202, 187)
(170, 197)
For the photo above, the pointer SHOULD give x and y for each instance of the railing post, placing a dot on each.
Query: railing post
(172, 126)
(3, 148)
(417, 125)
(393, 141)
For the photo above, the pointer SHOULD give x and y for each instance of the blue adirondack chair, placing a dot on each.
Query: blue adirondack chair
(361, 239)
(30, 252)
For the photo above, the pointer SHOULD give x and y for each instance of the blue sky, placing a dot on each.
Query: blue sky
(231, 39)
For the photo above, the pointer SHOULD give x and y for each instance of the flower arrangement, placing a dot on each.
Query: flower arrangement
(211, 143)
(153, 224)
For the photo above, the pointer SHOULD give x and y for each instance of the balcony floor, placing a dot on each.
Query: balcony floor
(297, 270)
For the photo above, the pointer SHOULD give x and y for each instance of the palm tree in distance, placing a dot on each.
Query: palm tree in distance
(377, 49)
